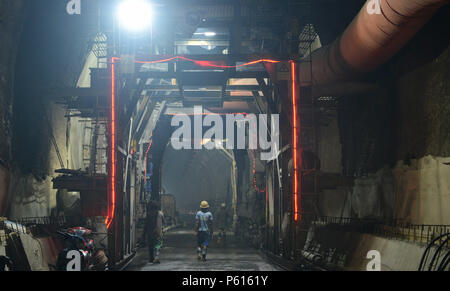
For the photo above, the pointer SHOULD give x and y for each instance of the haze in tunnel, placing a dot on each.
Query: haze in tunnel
(196, 175)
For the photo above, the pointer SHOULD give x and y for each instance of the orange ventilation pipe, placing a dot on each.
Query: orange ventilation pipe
(380, 30)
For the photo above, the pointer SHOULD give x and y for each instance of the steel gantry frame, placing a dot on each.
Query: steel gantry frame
(185, 81)
(204, 80)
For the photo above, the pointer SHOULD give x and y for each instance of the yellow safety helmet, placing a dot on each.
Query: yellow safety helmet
(204, 204)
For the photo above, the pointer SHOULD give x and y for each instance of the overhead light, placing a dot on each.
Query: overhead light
(134, 15)
(210, 33)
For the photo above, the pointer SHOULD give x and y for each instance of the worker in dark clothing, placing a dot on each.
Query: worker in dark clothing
(154, 231)
(222, 220)
(203, 229)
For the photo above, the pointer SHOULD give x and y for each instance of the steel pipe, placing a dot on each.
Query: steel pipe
(379, 31)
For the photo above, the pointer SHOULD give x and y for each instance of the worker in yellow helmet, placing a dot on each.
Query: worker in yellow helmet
(203, 229)
(153, 230)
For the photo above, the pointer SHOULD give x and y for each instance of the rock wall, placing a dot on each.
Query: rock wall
(408, 134)
(407, 126)
(330, 148)
(50, 53)
(12, 15)
(421, 75)
(418, 193)
(348, 250)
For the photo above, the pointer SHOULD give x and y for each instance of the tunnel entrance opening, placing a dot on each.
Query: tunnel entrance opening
(235, 177)
(192, 176)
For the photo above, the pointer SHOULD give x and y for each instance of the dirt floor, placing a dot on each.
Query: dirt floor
(179, 254)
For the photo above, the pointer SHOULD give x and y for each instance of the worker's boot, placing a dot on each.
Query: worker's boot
(156, 260)
(151, 257)
(204, 249)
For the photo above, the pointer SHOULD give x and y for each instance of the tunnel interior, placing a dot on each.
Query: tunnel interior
(210, 170)
(337, 143)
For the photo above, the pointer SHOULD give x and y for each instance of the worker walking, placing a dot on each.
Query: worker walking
(203, 229)
(154, 231)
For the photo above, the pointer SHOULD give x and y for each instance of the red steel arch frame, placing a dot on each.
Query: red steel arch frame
(296, 155)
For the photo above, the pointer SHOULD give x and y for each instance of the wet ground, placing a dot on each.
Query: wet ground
(179, 254)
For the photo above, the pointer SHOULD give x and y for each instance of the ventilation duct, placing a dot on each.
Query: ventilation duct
(381, 29)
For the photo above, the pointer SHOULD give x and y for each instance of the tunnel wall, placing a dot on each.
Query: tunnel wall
(12, 15)
(48, 53)
(407, 179)
(329, 147)
(350, 250)
(416, 193)
(407, 175)
(249, 201)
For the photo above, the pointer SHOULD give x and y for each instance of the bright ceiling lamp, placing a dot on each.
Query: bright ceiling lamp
(210, 33)
(134, 15)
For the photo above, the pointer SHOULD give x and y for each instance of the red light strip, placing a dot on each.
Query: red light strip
(254, 175)
(146, 154)
(208, 63)
(205, 113)
(297, 205)
(112, 172)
